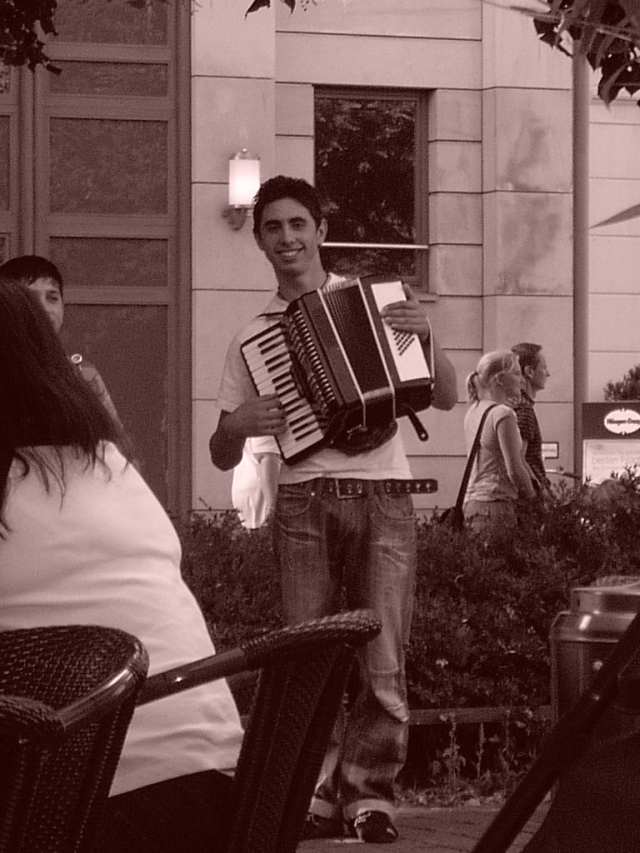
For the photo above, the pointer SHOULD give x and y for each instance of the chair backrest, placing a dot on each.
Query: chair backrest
(304, 672)
(67, 695)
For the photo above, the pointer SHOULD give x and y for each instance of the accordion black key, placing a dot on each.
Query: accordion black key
(342, 374)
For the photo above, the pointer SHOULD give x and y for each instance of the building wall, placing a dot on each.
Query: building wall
(233, 107)
(527, 233)
(614, 250)
(500, 194)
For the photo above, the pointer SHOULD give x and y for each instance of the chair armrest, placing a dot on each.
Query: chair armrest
(42, 723)
(193, 674)
(52, 673)
(103, 700)
(353, 627)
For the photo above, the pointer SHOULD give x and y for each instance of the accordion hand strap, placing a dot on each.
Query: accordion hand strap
(475, 447)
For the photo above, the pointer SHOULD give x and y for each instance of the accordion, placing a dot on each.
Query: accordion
(342, 374)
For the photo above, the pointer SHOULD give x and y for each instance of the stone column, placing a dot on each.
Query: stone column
(527, 207)
(233, 107)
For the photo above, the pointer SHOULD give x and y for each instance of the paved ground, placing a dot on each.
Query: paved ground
(433, 830)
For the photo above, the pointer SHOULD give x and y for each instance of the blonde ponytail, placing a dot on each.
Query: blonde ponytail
(472, 388)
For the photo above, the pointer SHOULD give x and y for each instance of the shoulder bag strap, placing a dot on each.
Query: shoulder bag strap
(474, 451)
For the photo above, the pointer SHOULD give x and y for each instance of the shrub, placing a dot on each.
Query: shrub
(628, 388)
(482, 613)
(483, 609)
(233, 575)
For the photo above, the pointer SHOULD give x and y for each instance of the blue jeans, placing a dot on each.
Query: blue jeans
(359, 552)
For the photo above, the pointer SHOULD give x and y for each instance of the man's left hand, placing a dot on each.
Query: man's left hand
(408, 316)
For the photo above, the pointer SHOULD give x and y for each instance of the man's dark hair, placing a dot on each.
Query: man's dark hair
(527, 355)
(29, 268)
(284, 187)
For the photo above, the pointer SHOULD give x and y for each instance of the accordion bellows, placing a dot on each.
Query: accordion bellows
(342, 374)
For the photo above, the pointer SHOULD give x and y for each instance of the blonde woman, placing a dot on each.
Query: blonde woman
(500, 475)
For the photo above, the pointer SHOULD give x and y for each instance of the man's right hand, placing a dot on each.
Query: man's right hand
(255, 417)
(258, 416)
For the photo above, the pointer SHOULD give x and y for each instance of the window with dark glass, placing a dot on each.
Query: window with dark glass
(371, 172)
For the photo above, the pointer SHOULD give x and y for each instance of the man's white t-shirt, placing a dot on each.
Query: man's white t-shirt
(105, 553)
(386, 462)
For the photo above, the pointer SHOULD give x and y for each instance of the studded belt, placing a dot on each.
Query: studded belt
(344, 487)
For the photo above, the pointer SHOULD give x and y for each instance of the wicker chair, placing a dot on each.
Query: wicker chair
(66, 699)
(304, 671)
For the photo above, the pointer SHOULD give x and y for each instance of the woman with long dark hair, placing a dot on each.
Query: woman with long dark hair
(83, 540)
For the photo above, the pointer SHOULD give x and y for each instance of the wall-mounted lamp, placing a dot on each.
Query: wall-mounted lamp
(244, 182)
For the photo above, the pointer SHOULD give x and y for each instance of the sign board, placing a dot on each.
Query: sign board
(550, 449)
(610, 439)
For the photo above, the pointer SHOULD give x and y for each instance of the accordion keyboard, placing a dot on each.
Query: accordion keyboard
(269, 362)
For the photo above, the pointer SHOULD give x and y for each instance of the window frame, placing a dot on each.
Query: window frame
(10, 103)
(421, 246)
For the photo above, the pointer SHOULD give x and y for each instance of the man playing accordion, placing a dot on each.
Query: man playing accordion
(344, 526)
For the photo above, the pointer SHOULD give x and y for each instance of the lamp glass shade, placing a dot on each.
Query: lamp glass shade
(244, 179)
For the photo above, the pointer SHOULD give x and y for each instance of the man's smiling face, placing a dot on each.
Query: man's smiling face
(290, 238)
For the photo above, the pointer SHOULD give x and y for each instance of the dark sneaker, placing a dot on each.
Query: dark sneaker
(373, 827)
(316, 826)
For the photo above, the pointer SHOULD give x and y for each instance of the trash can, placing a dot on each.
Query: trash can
(583, 636)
